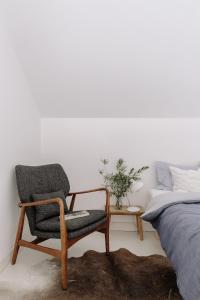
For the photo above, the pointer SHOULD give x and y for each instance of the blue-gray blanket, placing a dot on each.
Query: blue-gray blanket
(176, 217)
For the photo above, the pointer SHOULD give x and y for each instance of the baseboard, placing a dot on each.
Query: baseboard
(129, 226)
(27, 236)
(5, 262)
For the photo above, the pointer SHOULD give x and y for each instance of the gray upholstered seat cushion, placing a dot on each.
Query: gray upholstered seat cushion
(53, 224)
(44, 212)
(71, 234)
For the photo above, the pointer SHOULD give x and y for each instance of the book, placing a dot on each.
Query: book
(77, 214)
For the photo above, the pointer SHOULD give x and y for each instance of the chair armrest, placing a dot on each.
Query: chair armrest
(73, 194)
(89, 191)
(43, 202)
(57, 201)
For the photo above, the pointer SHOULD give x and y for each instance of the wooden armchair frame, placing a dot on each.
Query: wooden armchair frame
(65, 242)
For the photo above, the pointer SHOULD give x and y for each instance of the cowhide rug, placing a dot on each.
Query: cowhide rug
(95, 276)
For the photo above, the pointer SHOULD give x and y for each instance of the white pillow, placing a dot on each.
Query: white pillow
(156, 192)
(185, 180)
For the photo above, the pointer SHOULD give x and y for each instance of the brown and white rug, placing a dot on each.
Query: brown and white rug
(95, 276)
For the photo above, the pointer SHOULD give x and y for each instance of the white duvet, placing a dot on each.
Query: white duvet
(163, 199)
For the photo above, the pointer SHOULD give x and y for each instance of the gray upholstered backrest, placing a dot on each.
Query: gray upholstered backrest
(39, 180)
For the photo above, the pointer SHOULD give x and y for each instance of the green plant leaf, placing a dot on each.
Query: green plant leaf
(120, 182)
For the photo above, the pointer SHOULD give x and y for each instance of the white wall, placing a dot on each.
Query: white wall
(100, 53)
(19, 138)
(79, 144)
(109, 58)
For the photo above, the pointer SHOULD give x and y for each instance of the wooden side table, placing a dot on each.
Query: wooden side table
(125, 212)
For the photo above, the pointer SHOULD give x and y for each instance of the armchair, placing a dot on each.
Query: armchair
(49, 179)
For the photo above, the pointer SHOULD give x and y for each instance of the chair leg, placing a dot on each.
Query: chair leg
(64, 263)
(107, 239)
(18, 236)
(64, 253)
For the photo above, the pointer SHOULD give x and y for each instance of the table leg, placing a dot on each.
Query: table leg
(140, 228)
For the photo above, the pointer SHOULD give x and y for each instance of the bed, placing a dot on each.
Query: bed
(176, 217)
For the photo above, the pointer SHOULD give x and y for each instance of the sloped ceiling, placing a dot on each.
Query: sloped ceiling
(109, 58)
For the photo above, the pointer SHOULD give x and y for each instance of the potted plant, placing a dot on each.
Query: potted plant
(120, 181)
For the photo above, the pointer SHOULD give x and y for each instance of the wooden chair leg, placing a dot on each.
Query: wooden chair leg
(107, 238)
(64, 252)
(18, 236)
(64, 263)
